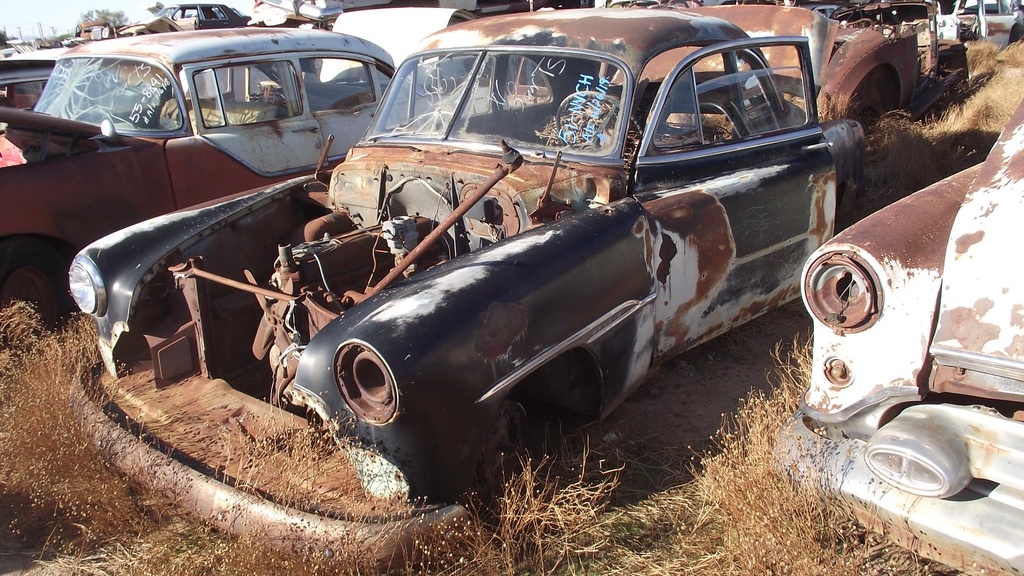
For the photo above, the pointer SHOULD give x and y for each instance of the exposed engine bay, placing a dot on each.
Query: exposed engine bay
(335, 260)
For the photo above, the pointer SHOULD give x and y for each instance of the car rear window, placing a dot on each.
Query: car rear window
(136, 96)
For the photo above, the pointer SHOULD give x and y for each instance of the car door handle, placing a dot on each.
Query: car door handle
(314, 129)
(818, 146)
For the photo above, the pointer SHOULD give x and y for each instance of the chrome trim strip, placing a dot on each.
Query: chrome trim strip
(587, 335)
(985, 363)
(731, 147)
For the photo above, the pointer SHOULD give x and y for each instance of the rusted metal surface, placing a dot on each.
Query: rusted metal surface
(979, 339)
(758, 21)
(174, 50)
(380, 541)
(900, 252)
(611, 32)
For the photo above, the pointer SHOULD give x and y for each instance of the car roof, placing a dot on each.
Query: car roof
(178, 48)
(635, 35)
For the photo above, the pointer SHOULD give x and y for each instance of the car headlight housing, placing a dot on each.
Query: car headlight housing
(842, 293)
(87, 287)
(366, 383)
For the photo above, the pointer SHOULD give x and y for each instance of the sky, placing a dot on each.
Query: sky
(63, 15)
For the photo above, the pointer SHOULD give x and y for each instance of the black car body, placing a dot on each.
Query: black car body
(673, 180)
(203, 16)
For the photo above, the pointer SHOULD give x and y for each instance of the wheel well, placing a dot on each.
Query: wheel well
(880, 88)
(571, 380)
(66, 250)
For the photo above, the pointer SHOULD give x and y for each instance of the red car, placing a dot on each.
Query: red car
(188, 117)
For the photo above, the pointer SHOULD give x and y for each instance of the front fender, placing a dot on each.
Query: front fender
(902, 247)
(459, 338)
(134, 255)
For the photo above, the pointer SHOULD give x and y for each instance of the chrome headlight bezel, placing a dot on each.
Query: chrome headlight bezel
(842, 292)
(87, 287)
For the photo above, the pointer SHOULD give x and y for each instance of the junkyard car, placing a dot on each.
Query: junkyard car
(23, 76)
(1001, 22)
(913, 417)
(671, 178)
(883, 55)
(203, 16)
(190, 116)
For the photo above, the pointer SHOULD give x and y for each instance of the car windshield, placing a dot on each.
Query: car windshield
(537, 100)
(136, 96)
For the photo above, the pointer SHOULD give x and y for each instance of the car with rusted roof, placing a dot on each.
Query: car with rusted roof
(914, 417)
(186, 118)
(545, 207)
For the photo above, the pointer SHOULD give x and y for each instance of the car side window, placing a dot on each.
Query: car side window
(729, 96)
(336, 84)
(246, 94)
(212, 13)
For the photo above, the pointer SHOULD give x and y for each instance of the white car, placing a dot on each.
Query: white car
(1001, 22)
(914, 418)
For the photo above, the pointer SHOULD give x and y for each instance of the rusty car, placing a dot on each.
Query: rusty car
(1000, 22)
(187, 117)
(544, 208)
(914, 416)
(882, 56)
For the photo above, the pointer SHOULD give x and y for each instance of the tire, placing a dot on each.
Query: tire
(33, 271)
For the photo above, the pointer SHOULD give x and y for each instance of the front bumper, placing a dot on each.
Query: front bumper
(979, 529)
(383, 542)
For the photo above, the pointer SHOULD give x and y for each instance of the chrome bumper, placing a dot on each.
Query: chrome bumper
(979, 529)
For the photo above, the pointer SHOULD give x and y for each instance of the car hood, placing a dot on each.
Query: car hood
(982, 299)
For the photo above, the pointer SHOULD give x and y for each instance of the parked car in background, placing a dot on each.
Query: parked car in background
(545, 207)
(188, 117)
(882, 56)
(914, 418)
(202, 16)
(1001, 22)
(23, 76)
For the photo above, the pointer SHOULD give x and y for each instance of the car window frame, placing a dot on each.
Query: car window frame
(614, 156)
(685, 66)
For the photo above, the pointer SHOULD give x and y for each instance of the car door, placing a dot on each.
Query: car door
(739, 185)
(342, 94)
(253, 111)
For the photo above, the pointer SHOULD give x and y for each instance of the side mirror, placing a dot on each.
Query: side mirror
(107, 129)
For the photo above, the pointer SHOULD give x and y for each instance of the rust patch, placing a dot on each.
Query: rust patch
(1016, 314)
(503, 324)
(964, 242)
(1016, 347)
(665, 255)
(823, 223)
(963, 325)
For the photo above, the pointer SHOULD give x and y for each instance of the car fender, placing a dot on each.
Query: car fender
(458, 339)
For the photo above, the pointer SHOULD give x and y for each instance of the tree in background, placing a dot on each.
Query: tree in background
(3, 38)
(115, 18)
